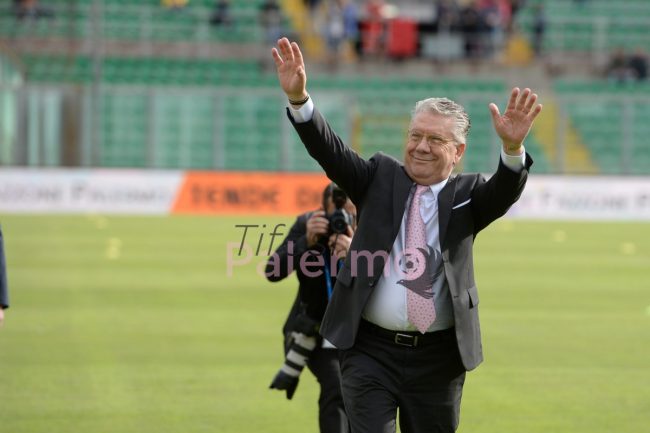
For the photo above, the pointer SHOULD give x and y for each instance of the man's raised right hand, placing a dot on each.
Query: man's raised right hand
(291, 69)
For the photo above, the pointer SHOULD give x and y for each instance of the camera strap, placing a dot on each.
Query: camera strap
(328, 276)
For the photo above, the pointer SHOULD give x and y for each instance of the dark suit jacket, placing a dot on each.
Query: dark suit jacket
(4, 293)
(380, 187)
(312, 290)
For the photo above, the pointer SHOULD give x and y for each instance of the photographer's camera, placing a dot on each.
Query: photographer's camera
(340, 219)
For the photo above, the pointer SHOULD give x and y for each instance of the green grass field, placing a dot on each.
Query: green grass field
(131, 324)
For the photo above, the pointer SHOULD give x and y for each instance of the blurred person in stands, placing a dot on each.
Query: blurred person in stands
(312, 7)
(407, 325)
(270, 16)
(618, 69)
(31, 9)
(495, 17)
(221, 14)
(374, 9)
(638, 63)
(351, 24)
(539, 29)
(334, 31)
(515, 8)
(472, 25)
(4, 291)
(447, 15)
(373, 28)
(271, 19)
(341, 29)
(174, 5)
(316, 245)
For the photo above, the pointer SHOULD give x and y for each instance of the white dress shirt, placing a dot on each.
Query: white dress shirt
(386, 306)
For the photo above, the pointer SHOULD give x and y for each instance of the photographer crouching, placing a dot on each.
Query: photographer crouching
(316, 247)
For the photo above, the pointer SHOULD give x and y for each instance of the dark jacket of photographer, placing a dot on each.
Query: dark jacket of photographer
(312, 297)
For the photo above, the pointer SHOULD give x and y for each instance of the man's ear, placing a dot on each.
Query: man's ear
(460, 151)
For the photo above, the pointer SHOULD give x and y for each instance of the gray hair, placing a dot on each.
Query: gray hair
(446, 107)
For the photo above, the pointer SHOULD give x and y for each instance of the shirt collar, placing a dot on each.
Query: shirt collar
(437, 187)
(428, 201)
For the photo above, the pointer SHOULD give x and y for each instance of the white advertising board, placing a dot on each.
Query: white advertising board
(584, 198)
(88, 191)
(123, 191)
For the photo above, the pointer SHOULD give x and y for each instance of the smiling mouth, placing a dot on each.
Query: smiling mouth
(421, 159)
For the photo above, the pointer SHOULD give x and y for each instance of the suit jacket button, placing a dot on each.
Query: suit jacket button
(371, 282)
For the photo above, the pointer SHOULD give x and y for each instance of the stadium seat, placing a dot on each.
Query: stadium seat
(578, 27)
(402, 38)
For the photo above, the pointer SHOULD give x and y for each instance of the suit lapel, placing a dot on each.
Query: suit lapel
(401, 186)
(445, 203)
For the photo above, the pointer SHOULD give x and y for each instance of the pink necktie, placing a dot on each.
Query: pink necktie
(420, 308)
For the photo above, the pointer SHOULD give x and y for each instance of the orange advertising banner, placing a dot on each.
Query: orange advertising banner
(249, 193)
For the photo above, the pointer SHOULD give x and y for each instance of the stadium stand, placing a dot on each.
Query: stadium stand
(615, 127)
(141, 20)
(182, 108)
(583, 26)
(183, 121)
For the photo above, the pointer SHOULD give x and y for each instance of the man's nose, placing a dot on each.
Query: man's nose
(423, 145)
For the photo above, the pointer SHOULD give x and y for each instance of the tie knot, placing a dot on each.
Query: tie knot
(421, 189)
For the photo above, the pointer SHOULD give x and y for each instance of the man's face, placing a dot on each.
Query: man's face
(431, 150)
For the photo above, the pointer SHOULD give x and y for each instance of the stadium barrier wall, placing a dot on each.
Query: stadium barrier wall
(121, 191)
(611, 198)
(153, 192)
(249, 193)
(87, 191)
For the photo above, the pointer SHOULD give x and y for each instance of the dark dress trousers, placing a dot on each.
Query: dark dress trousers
(380, 187)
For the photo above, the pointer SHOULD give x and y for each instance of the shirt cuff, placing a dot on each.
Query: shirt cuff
(515, 163)
(304, 113)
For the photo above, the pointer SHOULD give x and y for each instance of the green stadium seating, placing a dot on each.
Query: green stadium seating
(143, 20)
(614, 127)
(167, 112)
(594, 24)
